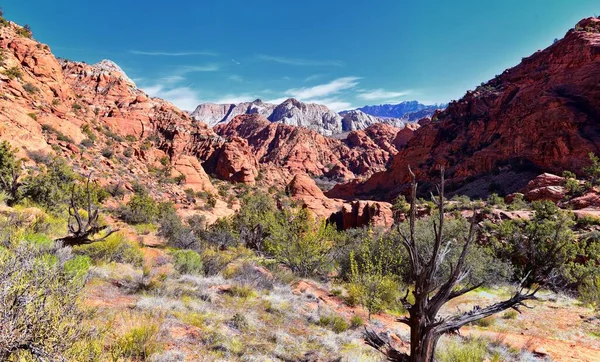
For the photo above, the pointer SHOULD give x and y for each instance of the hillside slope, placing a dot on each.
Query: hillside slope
(542, 115)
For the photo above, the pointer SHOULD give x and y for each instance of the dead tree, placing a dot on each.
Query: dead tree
(431, 292)
(83, 230)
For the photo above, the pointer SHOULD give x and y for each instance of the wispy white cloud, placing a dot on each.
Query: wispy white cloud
(235, 62)
(380, 94)
(183, 97)
(335, 104)
(324, 90)
(197, 68)
(300, 62)
(174, 54)
(235, 78)
(310, 78)
(234, 98)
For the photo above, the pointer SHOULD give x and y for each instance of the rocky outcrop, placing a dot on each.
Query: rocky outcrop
(304, 189)
(407, 111)
(363, 213)
(235, 162)
(357, 120)
(291, 112)
(542, 115)
(213, 114)
(294, 150)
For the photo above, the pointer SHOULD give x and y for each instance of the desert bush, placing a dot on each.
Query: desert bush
(107, 152)
(511, 314)
(40, 302)
(537, 246)
(334, 322)
(13, 72)
(455, 350)
(139, 343)
(239, 322)
(87, 143)
(116, 248)
(301, 242)
(187, 262)
(10, 174)
(593, 170)
(486, 322)
(141, 209)
(51, 187)
(589, 292)
(30, 88)
(221, 234)
(356, 321)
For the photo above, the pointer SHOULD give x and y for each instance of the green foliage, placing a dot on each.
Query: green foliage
(76, 107)
(495, 200)
(518, 203)
(25, 31)
(30, 88)
(539, 246)
(572, 185)
(140, 209)
(40, 302)
(87, 130)
(116, 248)
(400, 206)
(485, 322)
(456, 351)
(13, 72)
(511, 314)
(130, 138)
(51, 187)
(300, 242)
(373, 283)
(108, 152)
(589, 292)
(334, 322)
(593, 170)
(356, 321)
(188, 262)
(139, 343)
(10, 173)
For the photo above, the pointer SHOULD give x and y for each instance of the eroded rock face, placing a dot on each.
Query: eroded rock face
(51, 106)
(236, 163)
(303, 188)
(297, 150)
(363, 213)
(541, 115)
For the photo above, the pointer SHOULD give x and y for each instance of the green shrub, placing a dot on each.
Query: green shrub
(76, 107)
(52, 186)
(116, 248)
(301, 242)
(589, 292)
(454, 350)
(40, 302)
(130, 138)
(30, 88)
(138, 343)
(239, 322)
(10, 173)
(25, 31)
(356, 321)
(33, 116)
(334, 322)
(188, 262)
(108, 152)
(87, 143)
(141, 209)
(13, 72)
(511, 314)
(486, 322)
(242, 291)
(128, 152)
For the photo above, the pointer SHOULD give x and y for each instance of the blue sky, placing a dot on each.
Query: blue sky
(344, 54)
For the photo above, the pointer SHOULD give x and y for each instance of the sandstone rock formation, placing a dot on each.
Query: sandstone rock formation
(542, 115)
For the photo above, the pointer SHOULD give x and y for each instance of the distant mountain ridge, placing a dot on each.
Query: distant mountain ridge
(407, 111)
(292, 112)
